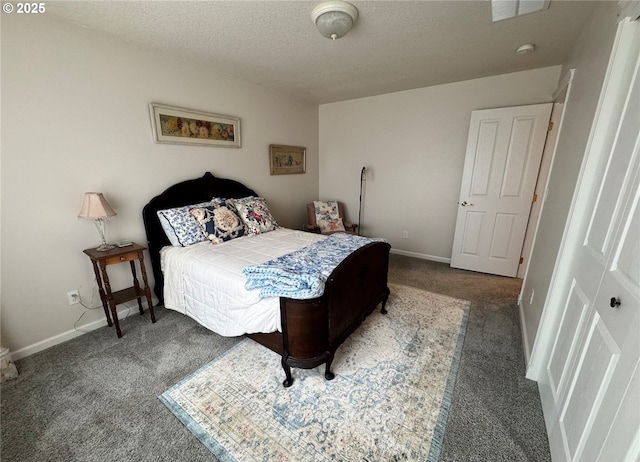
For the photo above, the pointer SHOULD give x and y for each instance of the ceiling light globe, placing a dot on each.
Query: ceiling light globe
(526, 49)
(334, 24)
(334, 18)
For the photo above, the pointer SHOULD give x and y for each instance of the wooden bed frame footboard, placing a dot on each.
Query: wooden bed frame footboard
(312, 330)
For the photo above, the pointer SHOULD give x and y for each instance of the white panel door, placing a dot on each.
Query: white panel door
(598, 379)
(593, 411)
(503, 155)
(614, 427)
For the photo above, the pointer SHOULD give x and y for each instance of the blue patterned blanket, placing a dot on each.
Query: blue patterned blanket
(303, 273)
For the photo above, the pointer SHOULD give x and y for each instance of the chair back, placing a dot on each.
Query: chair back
(311, 213)
(312, 222)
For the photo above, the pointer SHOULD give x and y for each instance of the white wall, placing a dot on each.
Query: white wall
(413, 145)
(75, 118)
(589, 57)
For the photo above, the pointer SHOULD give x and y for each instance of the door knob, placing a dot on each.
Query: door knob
(466, 204)
(614, 302)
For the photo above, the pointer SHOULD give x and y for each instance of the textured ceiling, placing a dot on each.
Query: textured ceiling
(394, 45)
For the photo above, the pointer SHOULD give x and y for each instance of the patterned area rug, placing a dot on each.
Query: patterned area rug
(389, 401)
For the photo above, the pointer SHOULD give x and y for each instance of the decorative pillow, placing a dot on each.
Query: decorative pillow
(180, 226)
(168, 230)
(219, 222)
(255, 214)
(327, 216)
(331, 225)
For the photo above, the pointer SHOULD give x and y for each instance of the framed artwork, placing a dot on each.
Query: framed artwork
(285, 160)
(176, 125)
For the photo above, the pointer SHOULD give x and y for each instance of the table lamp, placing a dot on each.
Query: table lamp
(95, 207)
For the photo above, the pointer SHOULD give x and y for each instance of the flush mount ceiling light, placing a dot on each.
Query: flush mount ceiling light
(526, 49)
(334, 18)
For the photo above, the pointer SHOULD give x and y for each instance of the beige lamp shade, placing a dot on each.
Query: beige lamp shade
(95, 206)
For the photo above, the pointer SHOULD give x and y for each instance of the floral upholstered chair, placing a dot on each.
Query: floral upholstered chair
(327, 217)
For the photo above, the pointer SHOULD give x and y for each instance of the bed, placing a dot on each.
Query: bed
(305, 332)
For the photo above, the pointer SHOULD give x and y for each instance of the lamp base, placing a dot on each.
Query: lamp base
(100, 224)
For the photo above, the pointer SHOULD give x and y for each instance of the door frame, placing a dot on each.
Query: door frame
(540, 191)
(560, 96)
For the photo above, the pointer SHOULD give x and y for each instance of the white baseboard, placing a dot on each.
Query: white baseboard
(422, 256)
(70, 334)
(525, 340)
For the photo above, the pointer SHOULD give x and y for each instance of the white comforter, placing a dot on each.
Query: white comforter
(205, 281)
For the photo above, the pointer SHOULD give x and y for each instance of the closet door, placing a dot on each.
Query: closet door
(593, 367)
(617, 321)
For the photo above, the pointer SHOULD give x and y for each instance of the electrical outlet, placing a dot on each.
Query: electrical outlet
(73, 297)
(405, 234)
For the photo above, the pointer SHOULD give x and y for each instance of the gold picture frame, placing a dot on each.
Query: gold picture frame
(176, 125)
(287, 160)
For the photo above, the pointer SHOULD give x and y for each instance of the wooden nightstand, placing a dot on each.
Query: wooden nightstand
(130, 253)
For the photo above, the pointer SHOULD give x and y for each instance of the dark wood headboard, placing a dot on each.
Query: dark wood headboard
(184, 193)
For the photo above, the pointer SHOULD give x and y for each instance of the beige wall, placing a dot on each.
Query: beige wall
(589, 58)
(413, 145)
(74, 119)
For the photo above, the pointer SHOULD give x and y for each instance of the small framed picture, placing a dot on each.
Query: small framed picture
(175, 125)
(286, 160)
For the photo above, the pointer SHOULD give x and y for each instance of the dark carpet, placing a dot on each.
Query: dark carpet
(94, 398)
(496, 413)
